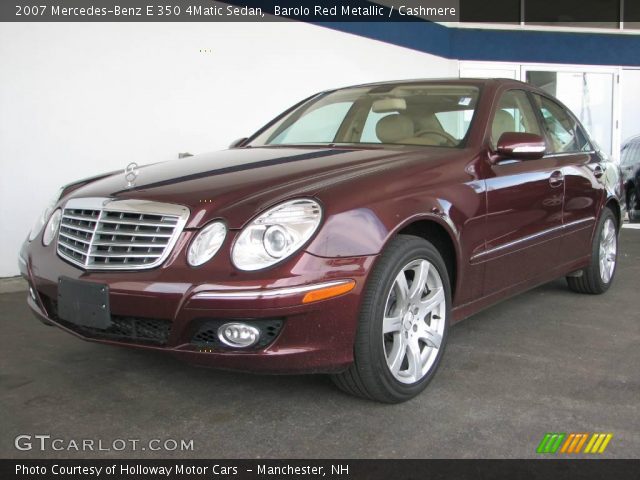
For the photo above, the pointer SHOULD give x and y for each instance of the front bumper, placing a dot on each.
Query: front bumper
(171, 305)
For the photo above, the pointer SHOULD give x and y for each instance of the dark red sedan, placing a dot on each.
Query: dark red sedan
(345, 237)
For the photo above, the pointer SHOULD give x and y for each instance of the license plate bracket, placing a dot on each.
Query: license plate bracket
(84, 303)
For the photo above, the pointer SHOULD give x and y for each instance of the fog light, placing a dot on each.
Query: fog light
(238, 335)
(32, 293)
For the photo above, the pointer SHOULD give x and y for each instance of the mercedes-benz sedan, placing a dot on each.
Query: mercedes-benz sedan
(344, 237)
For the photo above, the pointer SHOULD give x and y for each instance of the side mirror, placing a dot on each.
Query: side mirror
(521, 146)
(237, 142)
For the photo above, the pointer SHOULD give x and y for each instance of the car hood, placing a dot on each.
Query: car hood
(236, 184)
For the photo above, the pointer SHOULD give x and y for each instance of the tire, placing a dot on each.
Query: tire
(632, 205)
(598, 276)
(417, 321)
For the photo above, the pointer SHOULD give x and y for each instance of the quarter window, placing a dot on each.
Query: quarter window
(514, 114)
(564, 133)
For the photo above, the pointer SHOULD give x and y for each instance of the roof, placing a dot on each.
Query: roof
(440, 81)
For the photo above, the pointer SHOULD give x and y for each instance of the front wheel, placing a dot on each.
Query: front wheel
(403, 323)
(597, 277)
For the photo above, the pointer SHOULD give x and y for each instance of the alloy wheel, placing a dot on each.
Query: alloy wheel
(414, 321)
(608, 251)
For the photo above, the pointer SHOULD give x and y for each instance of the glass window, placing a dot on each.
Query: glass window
(631, 154)
(455, 123)
(319, 125)
(631, 15)
(588, 95)
(495, 11)
(427, 114)
(513, 114)
(369, 134)
(563, 132)
(573, 13)
(625, 158)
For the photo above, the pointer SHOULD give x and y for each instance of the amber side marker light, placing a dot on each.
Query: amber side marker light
(328, 292)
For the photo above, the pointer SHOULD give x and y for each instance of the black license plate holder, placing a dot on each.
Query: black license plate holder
(84, 303)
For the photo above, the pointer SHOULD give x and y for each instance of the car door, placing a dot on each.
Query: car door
(581, 168)
(524, 203)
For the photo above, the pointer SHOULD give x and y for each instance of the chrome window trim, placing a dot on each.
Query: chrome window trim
(530, 237)
(126, 206)
(267, 293)
(568, 154)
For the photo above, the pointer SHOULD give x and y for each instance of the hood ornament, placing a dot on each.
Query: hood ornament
(131, 173)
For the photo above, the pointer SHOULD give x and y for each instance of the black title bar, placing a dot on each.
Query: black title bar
(317, 469)
(231, 11)
(586, 13)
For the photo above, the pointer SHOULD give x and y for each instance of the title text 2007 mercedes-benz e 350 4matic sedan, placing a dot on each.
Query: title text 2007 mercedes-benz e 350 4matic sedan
(344, 237)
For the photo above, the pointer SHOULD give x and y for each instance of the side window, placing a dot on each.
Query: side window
(564, 133)
(513, 114)
(634, 153)
(319, 125)
(625, 158)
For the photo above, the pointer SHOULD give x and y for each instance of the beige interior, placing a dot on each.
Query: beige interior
(403, 129)
(502, 123)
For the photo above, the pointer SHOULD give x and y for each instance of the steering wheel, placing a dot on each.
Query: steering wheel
(448, 138)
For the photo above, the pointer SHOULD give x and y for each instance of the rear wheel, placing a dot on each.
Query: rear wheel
(403, 323)
(597, 277)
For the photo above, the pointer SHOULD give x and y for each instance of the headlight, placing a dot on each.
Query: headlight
(206, 243)
(44, 216)
(276, 234)
(52, 227)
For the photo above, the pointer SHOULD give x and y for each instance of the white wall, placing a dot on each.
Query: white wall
(630, 87)
(80, 99)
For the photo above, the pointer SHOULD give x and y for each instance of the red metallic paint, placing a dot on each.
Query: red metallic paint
(500, 219)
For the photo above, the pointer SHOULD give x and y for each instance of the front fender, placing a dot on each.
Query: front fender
(366, 230)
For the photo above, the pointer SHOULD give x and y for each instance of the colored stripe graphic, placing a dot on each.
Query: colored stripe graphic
(573, 442)
(551, 442)
(598, 442)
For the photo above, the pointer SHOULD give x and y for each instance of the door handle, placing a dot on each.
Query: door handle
(556, 179)
(598, 171)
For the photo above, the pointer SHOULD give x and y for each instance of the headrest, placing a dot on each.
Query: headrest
(394, 127)
(386, 105)
(503, 122)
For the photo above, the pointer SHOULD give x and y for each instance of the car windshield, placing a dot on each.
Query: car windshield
(408, 114)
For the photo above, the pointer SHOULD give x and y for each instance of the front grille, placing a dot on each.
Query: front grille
(207, 334)
(98, 233)
(141, 330)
